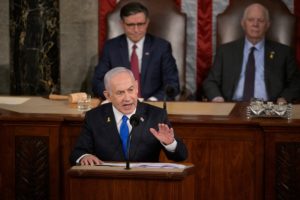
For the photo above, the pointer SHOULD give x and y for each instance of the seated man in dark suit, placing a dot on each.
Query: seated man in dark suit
(270, 73)
(102, 135)
(150, 58)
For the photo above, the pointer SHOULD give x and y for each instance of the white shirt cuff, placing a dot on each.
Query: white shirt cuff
(78, 160)
(171, 147)
(218, 99)
(152, 99)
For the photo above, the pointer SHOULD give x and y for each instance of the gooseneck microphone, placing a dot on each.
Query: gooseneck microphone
(169, 93)
(134, 121)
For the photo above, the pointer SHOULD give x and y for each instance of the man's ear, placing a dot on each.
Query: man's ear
(268, 25)
(242, 24)
(122, 23)
(106, 94)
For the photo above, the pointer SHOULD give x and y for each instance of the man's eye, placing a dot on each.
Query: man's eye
(137, 24)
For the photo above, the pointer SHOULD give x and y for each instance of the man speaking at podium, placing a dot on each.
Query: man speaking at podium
(108, 135)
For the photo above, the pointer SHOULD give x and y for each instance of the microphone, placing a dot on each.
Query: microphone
(169, 93)
(134, 121)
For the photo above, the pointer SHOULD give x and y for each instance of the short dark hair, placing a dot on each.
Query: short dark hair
(133, 8)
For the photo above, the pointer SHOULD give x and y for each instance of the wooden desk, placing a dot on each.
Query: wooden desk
(234, 157)
(114, 183)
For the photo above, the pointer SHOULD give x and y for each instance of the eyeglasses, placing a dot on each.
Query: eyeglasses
(138, 25)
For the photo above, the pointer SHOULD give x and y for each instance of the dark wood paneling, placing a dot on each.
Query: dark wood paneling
(32, 167)
(235, 157)
(117, 183)
(282, 162)
(31, 156)
(225, 156)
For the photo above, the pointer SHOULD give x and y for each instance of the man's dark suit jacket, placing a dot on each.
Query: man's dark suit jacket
(281, 72)
(158, 70)
(99, 136)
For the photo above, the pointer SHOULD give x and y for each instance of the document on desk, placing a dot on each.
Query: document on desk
(146, 165)
(13, 100)
(196, 108)
(38, 105)
(296, 111)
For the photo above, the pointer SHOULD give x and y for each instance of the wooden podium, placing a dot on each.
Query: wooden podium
(115, 183)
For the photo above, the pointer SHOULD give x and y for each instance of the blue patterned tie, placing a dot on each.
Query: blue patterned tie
(124, 133)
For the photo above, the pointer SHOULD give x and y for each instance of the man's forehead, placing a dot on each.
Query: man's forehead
(122, 83)
(121, 87)
(137, 16)
(256, 10)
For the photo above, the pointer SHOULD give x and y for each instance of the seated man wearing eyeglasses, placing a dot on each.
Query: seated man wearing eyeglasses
(148, 57)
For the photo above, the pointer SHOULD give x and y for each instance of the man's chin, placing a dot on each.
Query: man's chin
(136, 39)
(128, 109)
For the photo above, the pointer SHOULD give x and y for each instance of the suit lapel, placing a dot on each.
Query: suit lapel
(138, 131)
(124, 51)
(237, 63)
(113, 134)
(269, 61)
(146, 57)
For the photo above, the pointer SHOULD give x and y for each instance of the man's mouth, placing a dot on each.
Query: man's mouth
(127, 105)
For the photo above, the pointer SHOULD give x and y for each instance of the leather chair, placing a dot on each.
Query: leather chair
(166, 21)
(282, 28)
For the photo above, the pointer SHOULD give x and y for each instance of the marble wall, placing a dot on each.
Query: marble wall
(78, 44)
(51, 45)
(4, 47)
(34, 47)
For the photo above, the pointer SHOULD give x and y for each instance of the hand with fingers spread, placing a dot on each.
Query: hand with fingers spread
(90, 160)
(164, 133)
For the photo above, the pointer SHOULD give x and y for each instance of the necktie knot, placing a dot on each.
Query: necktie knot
(124, 119)
(134, 47)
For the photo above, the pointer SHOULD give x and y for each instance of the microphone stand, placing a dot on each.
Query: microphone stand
(134, 121)
(169, 93)
(128, 151)
(165, 102)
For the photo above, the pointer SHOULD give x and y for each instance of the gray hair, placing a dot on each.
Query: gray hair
(266, 11)
(114, 71)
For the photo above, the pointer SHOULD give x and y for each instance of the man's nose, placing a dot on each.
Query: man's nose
(135, 28)
(256, 22)
(126, 96)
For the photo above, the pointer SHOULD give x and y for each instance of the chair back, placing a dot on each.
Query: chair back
(282, 27)
(166, 21)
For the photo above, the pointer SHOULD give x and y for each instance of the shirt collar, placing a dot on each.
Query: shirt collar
(119, 115)
(258, 45)
(139, 44)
